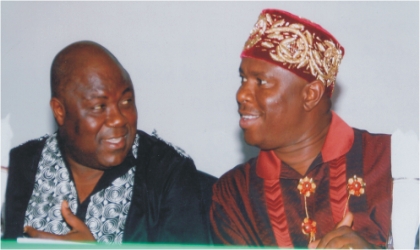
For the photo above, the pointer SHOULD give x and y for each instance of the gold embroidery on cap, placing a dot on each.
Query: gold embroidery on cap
(295, 47)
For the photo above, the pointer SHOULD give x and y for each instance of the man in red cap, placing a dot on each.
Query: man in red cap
(316, 182)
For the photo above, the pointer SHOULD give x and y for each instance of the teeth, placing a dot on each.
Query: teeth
(248, 117)
(115, 140)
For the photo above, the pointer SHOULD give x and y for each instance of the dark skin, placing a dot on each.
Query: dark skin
(97, 118)
(281, 111)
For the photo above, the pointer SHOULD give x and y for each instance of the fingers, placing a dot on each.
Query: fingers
(66, 212)
(33, 233)
(79, 230)
(346, 221)
(68, 216)
(336, 236)
(313, 244)
(337, 239)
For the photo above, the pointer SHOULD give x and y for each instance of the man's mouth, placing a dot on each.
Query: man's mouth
(249, 117)
(115, 140)
(248, 120)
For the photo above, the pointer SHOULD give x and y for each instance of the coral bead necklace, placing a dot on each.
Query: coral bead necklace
(306, 187)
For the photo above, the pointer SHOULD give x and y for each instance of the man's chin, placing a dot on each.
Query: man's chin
(111, 157)
(250, 138)
(107, 164)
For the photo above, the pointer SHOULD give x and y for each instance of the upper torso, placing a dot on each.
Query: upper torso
(261, 204)
(142, 200)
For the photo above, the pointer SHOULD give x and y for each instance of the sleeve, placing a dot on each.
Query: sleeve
(181, 212)
(224, 230)
(20, 182)
(375, 225)
(166, 203)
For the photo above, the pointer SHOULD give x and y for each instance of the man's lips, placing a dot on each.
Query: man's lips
(248, 120)
(116, 142)
(249, 117)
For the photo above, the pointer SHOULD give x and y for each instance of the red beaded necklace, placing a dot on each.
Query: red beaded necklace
(306, 187)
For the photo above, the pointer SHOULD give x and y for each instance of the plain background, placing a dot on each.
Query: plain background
(183, 58)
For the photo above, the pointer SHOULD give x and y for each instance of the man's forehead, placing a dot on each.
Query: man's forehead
(257, 66)
(85, 56)
(261, 68)
(103, 93)
(95, 73)
(98, 84)
(91, 84)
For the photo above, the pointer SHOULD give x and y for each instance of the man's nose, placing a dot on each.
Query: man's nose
(244, 93)
(116, 117)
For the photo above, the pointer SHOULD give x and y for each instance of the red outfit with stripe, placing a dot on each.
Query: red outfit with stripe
(258, 203)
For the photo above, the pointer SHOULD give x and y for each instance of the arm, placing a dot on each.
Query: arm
(181, 211)
(21, 177)
(223, 227)
(371, 225)
(79, 231)
(343, 236)
(22, 170)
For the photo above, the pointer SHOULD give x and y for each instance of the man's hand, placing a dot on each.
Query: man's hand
(342, 237)
(79, 231)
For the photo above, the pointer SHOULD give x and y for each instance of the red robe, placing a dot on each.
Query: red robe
(257, 203)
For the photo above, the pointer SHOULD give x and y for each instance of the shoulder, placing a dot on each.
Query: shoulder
(376, 149)
(29, 149)
(160, 159)
(236, 180)
(376, 158)
(158, 146)
(374, 144)
(238, 173)
(378, 139)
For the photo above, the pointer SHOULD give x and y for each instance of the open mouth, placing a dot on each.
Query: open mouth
(247, 120)
(249, 117)
(116, 142)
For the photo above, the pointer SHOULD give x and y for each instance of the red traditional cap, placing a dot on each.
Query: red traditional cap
(296, 44)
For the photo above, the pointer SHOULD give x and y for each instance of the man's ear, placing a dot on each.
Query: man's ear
(313, 93)
(58, 110)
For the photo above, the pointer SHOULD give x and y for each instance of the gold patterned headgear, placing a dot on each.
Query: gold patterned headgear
(296, 44)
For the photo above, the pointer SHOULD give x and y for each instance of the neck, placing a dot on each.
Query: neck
(85, 178)
(300, 154)
(84, 173)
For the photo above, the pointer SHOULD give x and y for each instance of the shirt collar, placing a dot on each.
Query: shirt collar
(340, 138)
(338, 142)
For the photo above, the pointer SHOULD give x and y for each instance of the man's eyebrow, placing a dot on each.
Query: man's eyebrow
(255, 73)
(94, 96)
(128, 89)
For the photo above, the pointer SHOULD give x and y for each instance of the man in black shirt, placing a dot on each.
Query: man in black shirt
(99, 178)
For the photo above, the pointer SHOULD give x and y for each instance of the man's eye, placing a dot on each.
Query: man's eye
(262, 82)
(125, 102)
(243, 79)
(98, 107)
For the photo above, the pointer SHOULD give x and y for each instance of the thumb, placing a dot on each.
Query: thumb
(68, 215)
(346, 221)
(313, 244)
